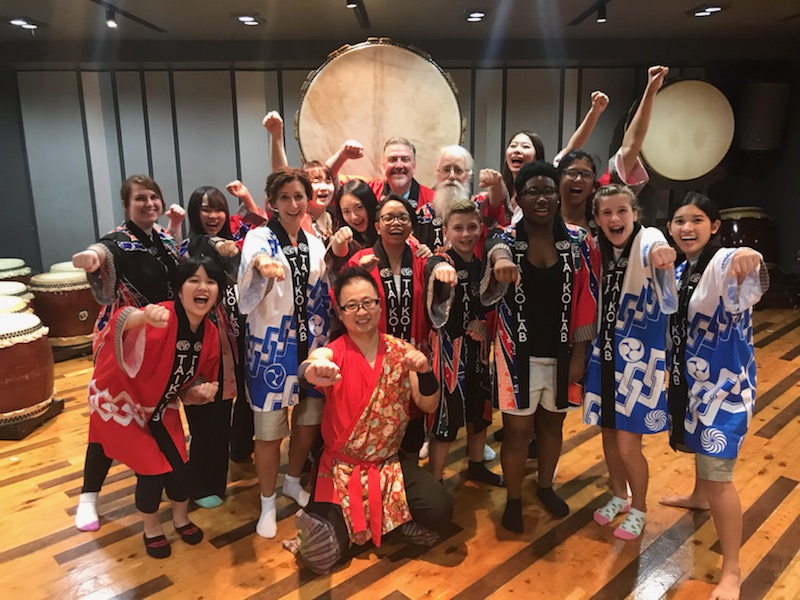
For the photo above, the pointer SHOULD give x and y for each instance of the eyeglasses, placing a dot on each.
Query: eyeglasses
(402, 219)
(353, 307)
(457, 171)
(534, 193)
(575, 174)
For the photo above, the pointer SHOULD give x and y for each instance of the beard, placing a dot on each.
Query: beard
(445, 195)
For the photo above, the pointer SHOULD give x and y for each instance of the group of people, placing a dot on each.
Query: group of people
(384, 313)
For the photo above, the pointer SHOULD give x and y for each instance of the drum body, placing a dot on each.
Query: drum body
(691, 130)
(67, 307)
(14, 269)
(749, 226)
(374, 91)
(26, 368)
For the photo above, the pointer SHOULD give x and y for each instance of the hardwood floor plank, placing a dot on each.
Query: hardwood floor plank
(759, 581)
(779, 421)
(147, 589)
(34, 473)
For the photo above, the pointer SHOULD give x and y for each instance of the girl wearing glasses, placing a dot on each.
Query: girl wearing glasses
(626, 375)
(400, 274)
(577, 170)
(537, 272)
(283, 289)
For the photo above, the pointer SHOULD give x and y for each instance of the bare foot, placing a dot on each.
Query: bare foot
(728, 588)
(693, 501)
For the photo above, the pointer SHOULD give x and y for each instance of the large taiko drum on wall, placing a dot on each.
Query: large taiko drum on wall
(749, 226)
(14, 269)
(26, 369)
(691, 130)
(371, 92)
(64, 302)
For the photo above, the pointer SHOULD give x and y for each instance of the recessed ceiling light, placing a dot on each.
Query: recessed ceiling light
(351, 4)
(713, 9)
(245, 19)
(474, 19)
(477, 14)
(18, 22)
(702, 13)
(252, 23)
(28, 26)
(601, 13)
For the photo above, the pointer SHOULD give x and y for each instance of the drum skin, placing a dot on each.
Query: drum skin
(65, 303)
(26, 362)
(749, 226)
(14, 269)
(691, 130)
(374, 91)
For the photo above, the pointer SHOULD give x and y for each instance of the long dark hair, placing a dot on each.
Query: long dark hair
(191, 265)
(359, 189)
(216, 199)
(538, 146)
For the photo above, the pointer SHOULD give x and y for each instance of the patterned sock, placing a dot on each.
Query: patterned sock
(477, 471)
(632, 526)
(267, 525)
(615, 506)
(295, 491)
(86, 518)
(512, 515)
(554, 505)
(418, 534)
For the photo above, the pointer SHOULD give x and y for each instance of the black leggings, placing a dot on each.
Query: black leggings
(95, 468)
(149, 488)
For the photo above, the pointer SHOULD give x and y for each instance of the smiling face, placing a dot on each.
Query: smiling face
(354, 213)
(520, 152)
(212, 219)
(399, 167)
(616, 217)
(463, 230)
(577, 182)
(323, 189)
(362, 320)
(538, 200)
(394, 223)
(144, 206)
(291, 204)
(198, 295)
(691, 228)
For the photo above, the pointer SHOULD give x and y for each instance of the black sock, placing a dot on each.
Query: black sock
(554, 505)
(512, 515)
(477, 471)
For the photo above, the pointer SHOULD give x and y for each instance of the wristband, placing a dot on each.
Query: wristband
(301, 376)
(428, 385)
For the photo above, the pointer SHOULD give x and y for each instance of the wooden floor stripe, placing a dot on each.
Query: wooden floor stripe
(762, 326)
(106, 497)
(776, 391)
(396, 595)
(147, 589)
(124, 474)
(510, 568)
(35, 473)
(762, 508)
(29, 447)
(772, 427)
(637, 571)
(792, 354)
(779, 333)
(769, 568)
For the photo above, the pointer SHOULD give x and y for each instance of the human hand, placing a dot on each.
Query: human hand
(203, 393)
(745, 260)
(323, 373)
(270, 268)
(505, 271)
(352, 149)
(156, 315)
(446, 274)
(88, 260)
(489, 177)
(663, 257)
(175, 214)
(273, 123)
(368, 261)
(416, 361)
(237, 188)
(227, 248)
(599, 101)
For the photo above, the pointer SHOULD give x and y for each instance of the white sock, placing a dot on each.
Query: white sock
(267, 523)
(295, 491)
(86, 518)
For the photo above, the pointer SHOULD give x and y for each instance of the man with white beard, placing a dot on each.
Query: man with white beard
(453, 175)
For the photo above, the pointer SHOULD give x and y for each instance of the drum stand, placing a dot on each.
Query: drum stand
(18, 429)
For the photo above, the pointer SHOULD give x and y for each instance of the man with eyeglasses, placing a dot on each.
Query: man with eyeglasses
(365, 488)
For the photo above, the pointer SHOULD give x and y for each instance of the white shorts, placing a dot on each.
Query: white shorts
(541, 388)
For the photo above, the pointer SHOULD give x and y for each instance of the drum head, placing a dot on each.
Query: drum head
(58, 280)
(374, 91)
(12, 304)
(13, 267)
(21, 325)
(691, 130)
(64, 266)
(13, 288)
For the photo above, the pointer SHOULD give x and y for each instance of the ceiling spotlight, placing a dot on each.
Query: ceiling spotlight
(601, 13)
(111, 18)
(702, 13)
(30, 26)
(250, 23)
(351, 4)
(477, 14)
(474, 19)
(245, 19)
(18, 22)
(713, 9)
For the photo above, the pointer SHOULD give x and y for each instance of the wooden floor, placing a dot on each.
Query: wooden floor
(42, 555)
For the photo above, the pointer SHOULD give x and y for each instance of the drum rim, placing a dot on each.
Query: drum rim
(372, 41)
(21, 292)
(61, 281)
(666, 85)
(746, 212)
(29, 333)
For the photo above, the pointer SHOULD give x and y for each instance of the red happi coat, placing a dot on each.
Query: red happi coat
(131, 373)
(363, 423)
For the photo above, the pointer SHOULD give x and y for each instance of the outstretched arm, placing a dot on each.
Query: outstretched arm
(637, 130)
(273, 123)
(584, 130)
(350, 150)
